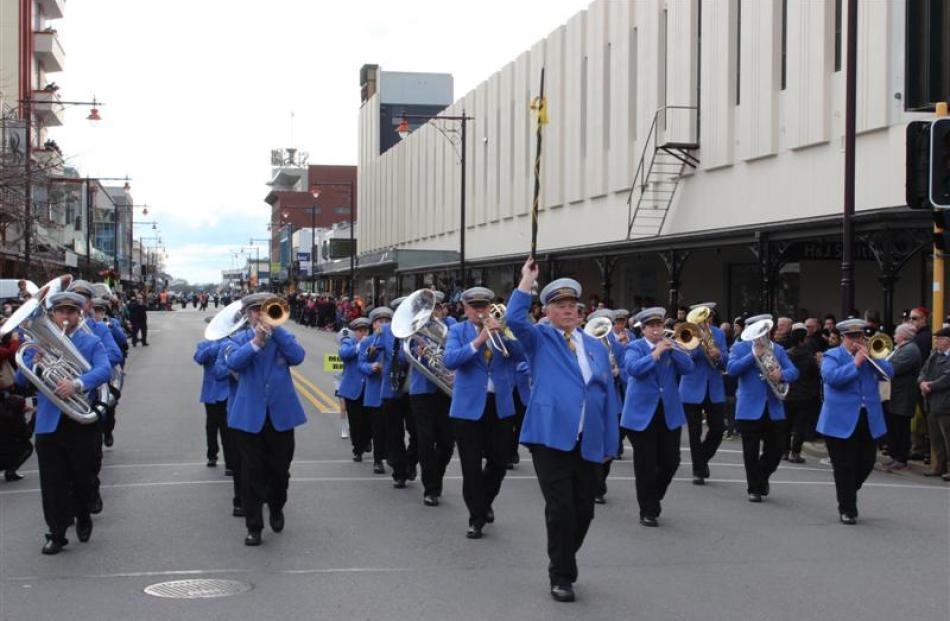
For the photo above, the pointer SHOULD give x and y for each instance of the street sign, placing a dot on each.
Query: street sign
(332, 363)
(303, 256)
(340, 247)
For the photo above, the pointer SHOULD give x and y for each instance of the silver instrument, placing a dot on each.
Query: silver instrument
(599, 328)
(419, 330)
(60, 360)
(758, 332)
(495, 339)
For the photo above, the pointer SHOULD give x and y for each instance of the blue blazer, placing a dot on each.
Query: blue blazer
(753, 393)
(108, 341)
(559, 394)
(265, 387)
(373, 382)
(118, 333)
(470, 389)
(91, 348)
(221, 371)
(704, 378)
(849, 388)
(619, 350)
(651, 380)
(213, 390)
(351, 386)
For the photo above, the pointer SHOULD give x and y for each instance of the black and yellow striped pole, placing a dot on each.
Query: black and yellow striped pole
(539, 106)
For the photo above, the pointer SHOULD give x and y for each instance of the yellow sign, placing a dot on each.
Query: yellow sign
(332, 363)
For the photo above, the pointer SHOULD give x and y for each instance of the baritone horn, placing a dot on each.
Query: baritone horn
(700, 316)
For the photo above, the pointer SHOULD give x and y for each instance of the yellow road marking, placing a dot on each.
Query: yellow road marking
(309, 397)
(330, 401)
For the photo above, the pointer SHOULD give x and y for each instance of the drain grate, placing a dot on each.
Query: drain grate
(197, 589)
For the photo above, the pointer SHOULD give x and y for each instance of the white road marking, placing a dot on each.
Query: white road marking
(206, 572)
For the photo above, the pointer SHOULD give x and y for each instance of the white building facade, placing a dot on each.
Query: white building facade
(750, 93)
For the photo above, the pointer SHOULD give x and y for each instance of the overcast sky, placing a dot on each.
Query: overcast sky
(197, 93)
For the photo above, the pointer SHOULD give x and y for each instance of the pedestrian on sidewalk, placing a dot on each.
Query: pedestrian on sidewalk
(934, 382)
(851, 417)
(899, 410)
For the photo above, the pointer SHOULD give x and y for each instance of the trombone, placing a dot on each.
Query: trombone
(497, 311)
(879, 347)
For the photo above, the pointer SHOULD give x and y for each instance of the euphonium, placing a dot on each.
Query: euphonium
(599, 328)
(423, 338)
(700, 317)
(767, 362)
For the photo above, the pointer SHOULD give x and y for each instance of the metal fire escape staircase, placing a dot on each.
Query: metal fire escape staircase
(662, 163)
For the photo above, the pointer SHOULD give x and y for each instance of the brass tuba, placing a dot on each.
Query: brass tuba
(414, 324)
(61, 360)
(767, 361)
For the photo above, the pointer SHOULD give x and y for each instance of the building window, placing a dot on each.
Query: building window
(784, 43)
(927, 54)
(342, 211)
(838, 4)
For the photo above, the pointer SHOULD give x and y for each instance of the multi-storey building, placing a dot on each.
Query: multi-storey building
(694, 151)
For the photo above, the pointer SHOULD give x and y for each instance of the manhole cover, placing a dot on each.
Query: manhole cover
(197, 589)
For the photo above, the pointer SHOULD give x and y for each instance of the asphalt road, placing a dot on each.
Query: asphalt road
(355, 548)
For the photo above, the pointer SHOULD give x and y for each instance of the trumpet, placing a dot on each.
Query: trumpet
(497, 311)
(685, 337)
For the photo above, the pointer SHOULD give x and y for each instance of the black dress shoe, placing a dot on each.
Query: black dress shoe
(796, 458)
(12, 475)
(399, 484)
(490, 517)
(253, 538)
(237, 512)
(95, 507)
(765, 489)
(600, 500)
(562, 593)
(378, 468)
(755, 498)
(412, 474)
(212, 463)
(276, 520)
(698, 480)
(510, 466)
(228, 472)
(357, 458)
(107, 439)
(430, 500)
(648, 520)
(474, 532)
(850, 520)
(54, 545)
(84, 529)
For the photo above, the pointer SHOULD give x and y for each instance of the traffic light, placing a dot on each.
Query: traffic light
(917, 178)
(940, 163)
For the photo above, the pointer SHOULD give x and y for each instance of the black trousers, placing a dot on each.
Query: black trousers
(702, 450)
(377, 419)
(67, 461)
(402, 457)
(763, 441)
(490, 438)
(898, 436)
(656, 456)
(265, 471)
(14, 453)
(852, 460)
(568, 483)
(139, 330)
(361, 430)
(516, 422)
(434, 437)
(216, 423)
(802, 416)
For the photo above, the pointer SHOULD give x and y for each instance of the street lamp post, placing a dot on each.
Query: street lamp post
(27, 103)
(313, 255)
(463, 119)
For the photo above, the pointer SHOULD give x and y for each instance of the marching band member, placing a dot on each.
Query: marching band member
(616, 347)
(223, 373)
(851, 416)
(571, 422)
(371, 366)
(652, 411)
(760, 414)
(101, 308)
(397, 409)
(264, 414)
(67, 450)
(214, 396)
(703, 391)
(482, 405)
(351, 387)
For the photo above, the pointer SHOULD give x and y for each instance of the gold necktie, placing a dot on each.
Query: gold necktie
(487, 354)
(570, 343)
